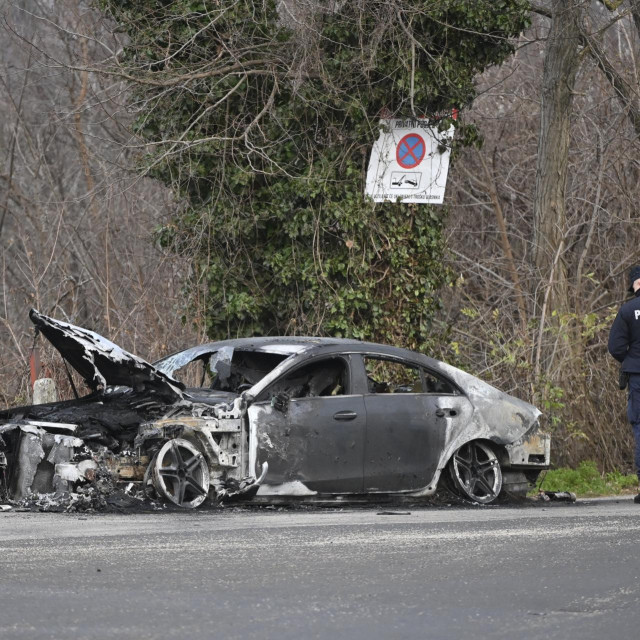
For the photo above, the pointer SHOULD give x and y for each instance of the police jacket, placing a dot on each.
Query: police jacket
(624, 337)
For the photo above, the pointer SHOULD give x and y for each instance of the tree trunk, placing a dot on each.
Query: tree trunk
(560, 67)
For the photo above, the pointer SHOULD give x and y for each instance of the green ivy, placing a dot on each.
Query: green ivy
(280, 235)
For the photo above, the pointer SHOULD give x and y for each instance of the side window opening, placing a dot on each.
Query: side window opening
(435, 384)
(321, 378)
(391, 376)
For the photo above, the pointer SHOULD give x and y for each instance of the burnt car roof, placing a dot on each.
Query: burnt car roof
(285, 345)
(296, 343)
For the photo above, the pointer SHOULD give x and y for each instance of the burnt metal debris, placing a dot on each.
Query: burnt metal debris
(262, 418)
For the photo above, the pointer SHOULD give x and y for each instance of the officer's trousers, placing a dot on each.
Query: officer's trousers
(633, 414)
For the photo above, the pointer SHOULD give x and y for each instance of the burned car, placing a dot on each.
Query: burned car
(261, 418)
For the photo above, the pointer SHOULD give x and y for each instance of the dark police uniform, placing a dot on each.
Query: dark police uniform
(624, 346)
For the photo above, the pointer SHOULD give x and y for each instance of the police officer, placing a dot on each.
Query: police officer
(624, 346)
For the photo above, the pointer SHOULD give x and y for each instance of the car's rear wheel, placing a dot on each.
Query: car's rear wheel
(475, 472)
(180, 474)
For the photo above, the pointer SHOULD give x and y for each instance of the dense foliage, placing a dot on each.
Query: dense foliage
(264, 114)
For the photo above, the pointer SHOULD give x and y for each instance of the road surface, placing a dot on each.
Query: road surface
(552, 571)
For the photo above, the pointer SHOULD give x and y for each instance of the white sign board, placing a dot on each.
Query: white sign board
(409, 162)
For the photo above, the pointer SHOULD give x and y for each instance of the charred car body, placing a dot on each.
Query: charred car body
(271, 417)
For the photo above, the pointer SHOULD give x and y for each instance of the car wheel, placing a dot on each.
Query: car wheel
(475, 472)
(180, 474)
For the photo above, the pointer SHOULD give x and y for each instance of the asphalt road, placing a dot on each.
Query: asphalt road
(558, 571)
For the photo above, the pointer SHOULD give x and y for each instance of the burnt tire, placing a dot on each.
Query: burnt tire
(474, 473)
(516, 485)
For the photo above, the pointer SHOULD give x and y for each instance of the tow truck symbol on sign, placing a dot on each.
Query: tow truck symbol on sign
(403, 180)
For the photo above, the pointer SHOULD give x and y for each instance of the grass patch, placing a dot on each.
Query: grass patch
(587, 481)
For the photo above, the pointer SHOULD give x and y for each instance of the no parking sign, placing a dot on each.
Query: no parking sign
(409, 162)
(410, 151)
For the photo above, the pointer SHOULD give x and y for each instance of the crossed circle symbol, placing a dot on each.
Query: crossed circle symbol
(410, 151)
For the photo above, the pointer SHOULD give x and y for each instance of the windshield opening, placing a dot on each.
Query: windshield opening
(227, 369)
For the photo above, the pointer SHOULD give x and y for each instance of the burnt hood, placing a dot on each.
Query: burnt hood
(101, 362)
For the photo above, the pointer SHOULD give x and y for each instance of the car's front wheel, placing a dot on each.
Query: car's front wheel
(180, 474)
(475, 472)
